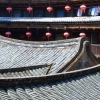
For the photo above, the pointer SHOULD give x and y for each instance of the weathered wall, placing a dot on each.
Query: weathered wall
(84, 62)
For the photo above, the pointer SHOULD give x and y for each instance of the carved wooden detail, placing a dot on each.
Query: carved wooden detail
(52, 26)
(52, 1)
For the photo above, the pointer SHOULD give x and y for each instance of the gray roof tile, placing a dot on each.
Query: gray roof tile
(45, 19)
(20, 54)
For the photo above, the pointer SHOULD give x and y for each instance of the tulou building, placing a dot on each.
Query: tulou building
(54, 16)
(49, 50)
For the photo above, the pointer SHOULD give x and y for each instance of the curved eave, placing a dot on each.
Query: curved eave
(48, 78)
(10, 81)
(93, 19)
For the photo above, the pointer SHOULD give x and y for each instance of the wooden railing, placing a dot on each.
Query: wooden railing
(96, 49)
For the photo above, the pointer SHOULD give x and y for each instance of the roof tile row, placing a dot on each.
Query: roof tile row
(45, 19)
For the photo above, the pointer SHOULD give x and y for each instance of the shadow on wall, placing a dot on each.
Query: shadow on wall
(99, 58)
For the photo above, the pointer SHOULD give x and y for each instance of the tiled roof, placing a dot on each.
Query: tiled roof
(16, 54)
(49, 20)
(83, 84)
(85, 87)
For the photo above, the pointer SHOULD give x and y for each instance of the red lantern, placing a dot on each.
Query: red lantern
(66, 35)
(9, 9)
(49, 9)
(67, 8)
(8, 34)
(83, 8)
(29, 9)
(82, 35)
(48, 35)
(28, 34)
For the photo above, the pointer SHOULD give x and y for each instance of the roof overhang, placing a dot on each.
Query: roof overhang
(94, 19)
